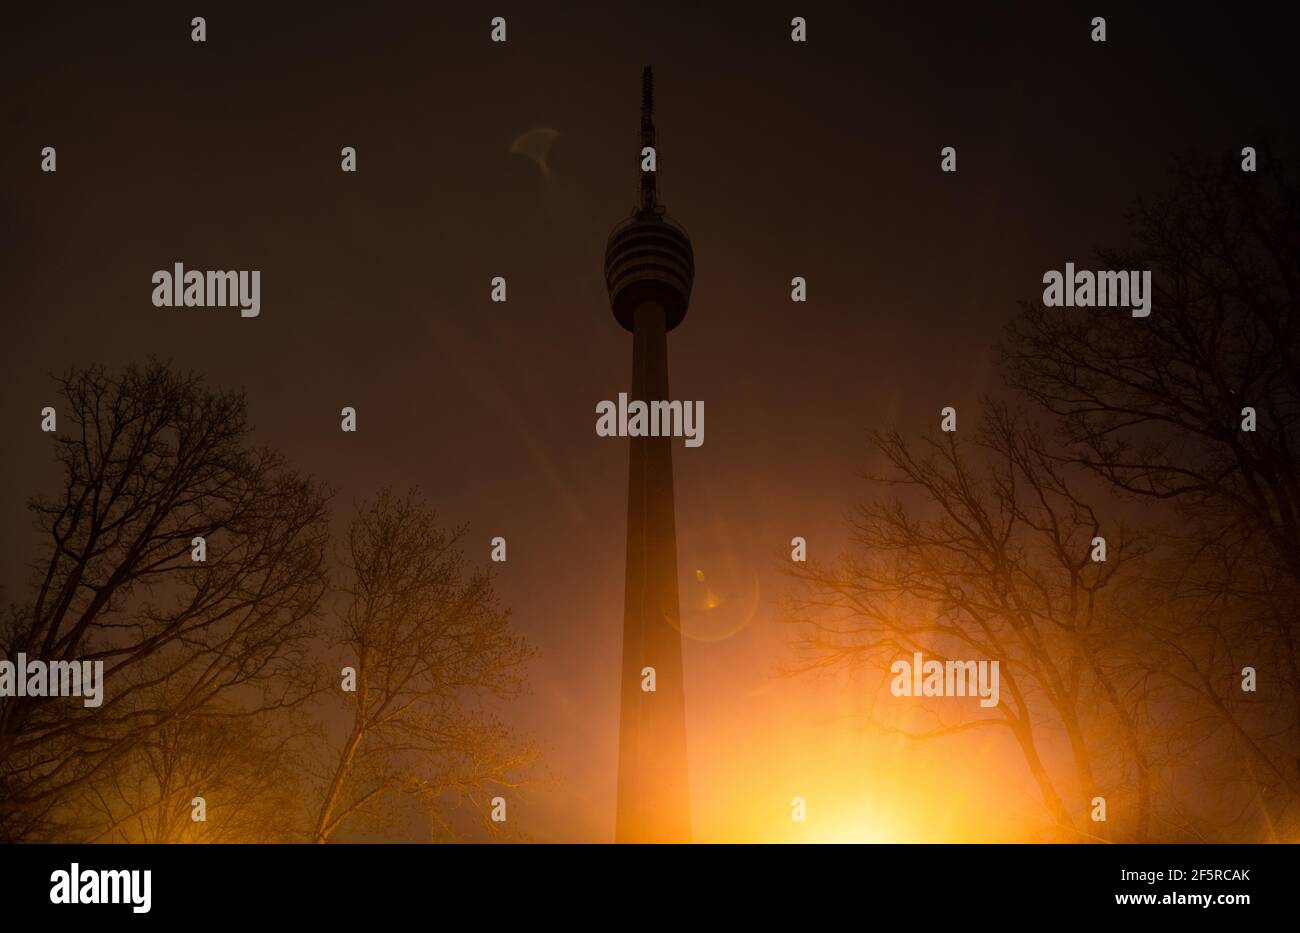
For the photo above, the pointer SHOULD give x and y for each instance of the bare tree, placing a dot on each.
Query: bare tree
(991, 558)
(1157, 408)
(152, 460)
(243, 772)
(428, 643)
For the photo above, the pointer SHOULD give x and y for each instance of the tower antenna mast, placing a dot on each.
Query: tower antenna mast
(649, 183)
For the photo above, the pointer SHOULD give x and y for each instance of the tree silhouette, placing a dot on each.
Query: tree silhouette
(990, 558)
(427, 642)
(1138, 662)
(246, 770)
(150, 460)
(208, 663)
(1157, 408)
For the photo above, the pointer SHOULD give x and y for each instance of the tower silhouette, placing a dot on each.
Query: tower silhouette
(649, 268)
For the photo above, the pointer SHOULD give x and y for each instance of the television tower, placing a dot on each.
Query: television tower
(649, 268)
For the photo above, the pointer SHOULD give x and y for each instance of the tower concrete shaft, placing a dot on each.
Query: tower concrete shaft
(653, 791)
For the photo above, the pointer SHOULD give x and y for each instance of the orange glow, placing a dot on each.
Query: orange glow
(758, 741)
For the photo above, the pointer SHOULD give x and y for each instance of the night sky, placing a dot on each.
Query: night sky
(780, 159)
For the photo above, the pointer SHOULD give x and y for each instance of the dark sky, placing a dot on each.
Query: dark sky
(819, 160)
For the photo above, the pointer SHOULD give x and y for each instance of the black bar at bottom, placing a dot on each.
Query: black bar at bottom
(556, 883)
